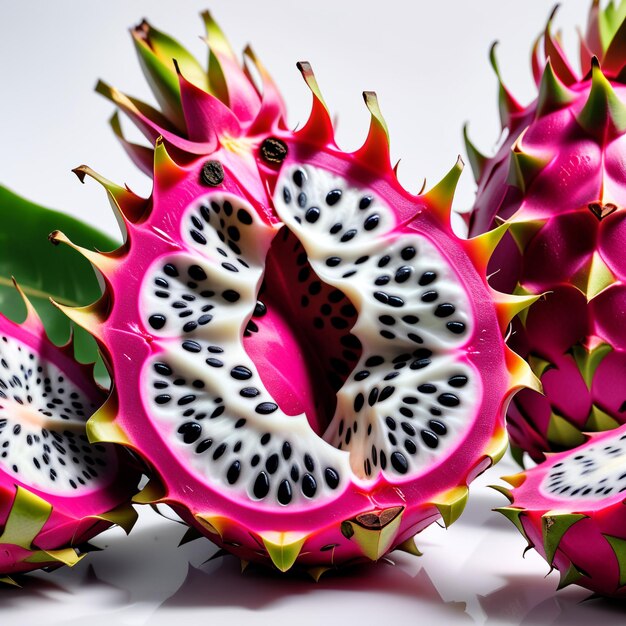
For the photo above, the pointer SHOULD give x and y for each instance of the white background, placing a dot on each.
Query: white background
(428, 63)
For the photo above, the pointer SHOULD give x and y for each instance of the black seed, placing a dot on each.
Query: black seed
(331, 477)
(190, 326)
(448, 399)
(371, 400)
(438, 427)
(348, 235)
(371, 222)
(230, 267)
(265, 439)
(419, 364)
(162, 294)
(384, 260)
(410, 446)
(217, 412)
(457, 328)
(196, 272)
(302, 199)
(309, 463)
(240, 373)
(190, 431)
(365, 202)
(198, 237)
(427, 388)
(395, 301)
(362, 375)
(163, 398)
(271, 464)
(265, 408)
(219, 451)
(332, 197)
(348, 274)
(426, 278)
(215, 350)
(430, 439)
(387, 334)
(254, 461)
(161, 282)
(212, 174)
(204, 319)
(359, 400)
(381, 296)
(444, 310)
(403, 274)
(233, 472)
(244, 217)
(309, 485)
(391, 423)
(249, 392)
(230, 296)
(170, 270)
(333, 261)
(273, 150)
(348, 436)
(408, 428)
(312, 215)
(399, 462)
(284, 492)
(383, 459)
(387, 392)
(295, 473)
(335, 228)
(188, 399)
(261, 486)
(191, 346)
(286, 195)
(228, 209)
(411, 319)
(405, 411)
(435, 411)
(286, 450)
(157, 321)
(458, 381)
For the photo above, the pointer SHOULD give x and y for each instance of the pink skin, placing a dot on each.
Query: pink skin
(129, 344)
(583, 544)
(581, 169)
(73, 520)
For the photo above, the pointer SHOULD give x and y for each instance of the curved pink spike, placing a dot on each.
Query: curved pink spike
(273, 111)
(615, 55)
(32, 322)
(554, 52)
(141, 156)
(243, 98)
(207, 118)
(374, 153)
(593, 41)
(537, 62)
(144, 118)
(319, 127)
(585, 53)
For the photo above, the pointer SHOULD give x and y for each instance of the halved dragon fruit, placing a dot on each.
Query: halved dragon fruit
(571, 510)
(558, 180)
(306, 355)
(57, 490)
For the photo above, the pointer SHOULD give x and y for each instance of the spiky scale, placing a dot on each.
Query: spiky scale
(283, 548)
(451, 504)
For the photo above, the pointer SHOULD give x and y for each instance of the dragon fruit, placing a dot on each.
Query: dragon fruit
(571, 510)
(558, 181)
(56, 490)
(306, 355)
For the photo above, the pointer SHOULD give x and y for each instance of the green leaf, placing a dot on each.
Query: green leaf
(44, 271)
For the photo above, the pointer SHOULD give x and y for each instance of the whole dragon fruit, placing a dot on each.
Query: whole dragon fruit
(558, 180)
(306, 355)
(57, 491)
(571, 510)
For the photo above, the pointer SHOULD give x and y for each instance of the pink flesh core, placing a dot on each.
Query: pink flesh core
(293, 356)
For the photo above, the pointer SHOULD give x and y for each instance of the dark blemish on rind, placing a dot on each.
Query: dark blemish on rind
(212, 174)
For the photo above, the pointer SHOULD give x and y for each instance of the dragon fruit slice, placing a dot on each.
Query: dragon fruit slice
(57, 491)
(558, 181)
(306, 355)
(571, 510)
